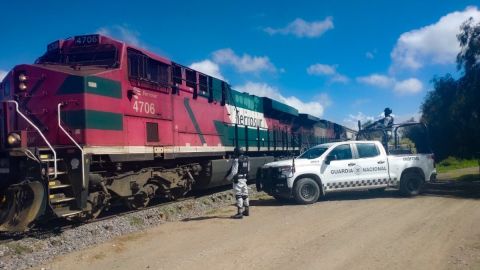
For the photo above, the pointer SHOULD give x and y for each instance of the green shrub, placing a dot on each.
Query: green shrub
(453, 163)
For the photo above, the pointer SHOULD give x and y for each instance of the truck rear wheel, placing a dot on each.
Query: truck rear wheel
(306, 191)
(411, 184)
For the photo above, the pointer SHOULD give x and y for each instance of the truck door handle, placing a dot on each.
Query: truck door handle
(351, 164)
(381, 162)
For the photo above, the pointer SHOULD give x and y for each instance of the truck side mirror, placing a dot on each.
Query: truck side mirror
(329, 158)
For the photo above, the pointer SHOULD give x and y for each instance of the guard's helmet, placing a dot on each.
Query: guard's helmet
(387, 111)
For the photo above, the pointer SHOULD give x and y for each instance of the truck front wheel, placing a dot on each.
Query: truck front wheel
(411, 184)
(306, 191)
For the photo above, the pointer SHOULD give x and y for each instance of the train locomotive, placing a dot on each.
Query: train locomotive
(96, 121)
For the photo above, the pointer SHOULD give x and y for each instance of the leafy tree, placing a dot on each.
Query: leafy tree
(452, 109)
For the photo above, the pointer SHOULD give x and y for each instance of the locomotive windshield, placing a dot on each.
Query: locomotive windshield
(97, 55)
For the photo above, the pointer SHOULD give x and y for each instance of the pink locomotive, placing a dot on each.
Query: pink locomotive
(96, 121)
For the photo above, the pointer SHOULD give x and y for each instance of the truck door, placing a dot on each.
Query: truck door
(371, 165)
(340, 173)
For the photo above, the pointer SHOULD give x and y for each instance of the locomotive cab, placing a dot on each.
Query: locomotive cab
(42, 128)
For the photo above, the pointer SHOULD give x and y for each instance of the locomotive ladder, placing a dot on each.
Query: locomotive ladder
(60, 192)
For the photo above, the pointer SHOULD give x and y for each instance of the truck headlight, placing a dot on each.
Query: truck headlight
(14, 139)
(286, 171)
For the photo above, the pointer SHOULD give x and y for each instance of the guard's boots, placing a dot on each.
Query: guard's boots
(239, 214)
(246, 212)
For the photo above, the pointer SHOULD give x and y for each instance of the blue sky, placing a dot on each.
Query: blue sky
(341, 61)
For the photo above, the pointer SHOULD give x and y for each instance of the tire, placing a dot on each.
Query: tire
(411, 184)
(306, 191)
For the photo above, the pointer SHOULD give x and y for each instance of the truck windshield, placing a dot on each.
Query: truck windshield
(99, 55)
(313, 153)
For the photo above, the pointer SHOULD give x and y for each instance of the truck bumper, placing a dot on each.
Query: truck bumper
(274, 185)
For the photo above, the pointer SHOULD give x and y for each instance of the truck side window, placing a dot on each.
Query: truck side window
(366, 150)
(342, 152)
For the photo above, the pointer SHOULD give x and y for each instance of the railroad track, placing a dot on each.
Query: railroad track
(57, 226)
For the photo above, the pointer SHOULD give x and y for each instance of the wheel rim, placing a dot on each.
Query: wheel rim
(308, 191)
(20, 205)
(413, 184)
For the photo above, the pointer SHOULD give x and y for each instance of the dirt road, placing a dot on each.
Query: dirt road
(344, 231)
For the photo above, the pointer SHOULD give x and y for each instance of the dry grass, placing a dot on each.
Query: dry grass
(19, 249)
(136, 221)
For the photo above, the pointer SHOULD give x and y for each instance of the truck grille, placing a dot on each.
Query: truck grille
(269, 176)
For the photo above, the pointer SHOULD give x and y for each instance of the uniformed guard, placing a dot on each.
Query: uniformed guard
(385, 122)
(388, 119)
(238, 176)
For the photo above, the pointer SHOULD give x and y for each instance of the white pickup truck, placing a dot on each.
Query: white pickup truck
(345, 166)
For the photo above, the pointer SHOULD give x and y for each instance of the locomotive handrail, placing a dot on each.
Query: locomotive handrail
(17, 109)
(84, 185)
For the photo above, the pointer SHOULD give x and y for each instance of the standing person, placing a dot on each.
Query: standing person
(238, 176)
(385, 122)
(388, 119)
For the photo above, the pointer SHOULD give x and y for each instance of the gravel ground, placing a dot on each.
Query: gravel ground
(29, 252)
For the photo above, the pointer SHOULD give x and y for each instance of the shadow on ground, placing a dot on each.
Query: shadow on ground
(467, 186)
(207, 218)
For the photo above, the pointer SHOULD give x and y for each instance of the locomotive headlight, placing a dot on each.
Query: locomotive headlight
(14, 139)
(22, 86)
(22, 77)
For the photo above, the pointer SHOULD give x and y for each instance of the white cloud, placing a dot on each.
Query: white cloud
(3, 73)
(245, 63)
(432, 44)
(123, 33)
(321, 69)
(327, 70)
(408, 86)
(208, 67)
(314, 107)
(302, 28)
(377, 80)
(352, 120)
(340, 78)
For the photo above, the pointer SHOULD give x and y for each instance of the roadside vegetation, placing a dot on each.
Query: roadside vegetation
(452, 109)
(452, 163)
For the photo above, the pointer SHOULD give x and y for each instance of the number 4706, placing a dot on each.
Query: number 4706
(144, 107)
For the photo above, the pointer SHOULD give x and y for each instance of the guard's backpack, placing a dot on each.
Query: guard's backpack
(243, 165)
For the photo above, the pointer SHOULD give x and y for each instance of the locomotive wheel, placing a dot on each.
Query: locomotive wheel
(139, 201)
(95, 204)
(20, 205)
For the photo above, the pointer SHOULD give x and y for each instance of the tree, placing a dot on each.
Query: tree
(452, 109)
